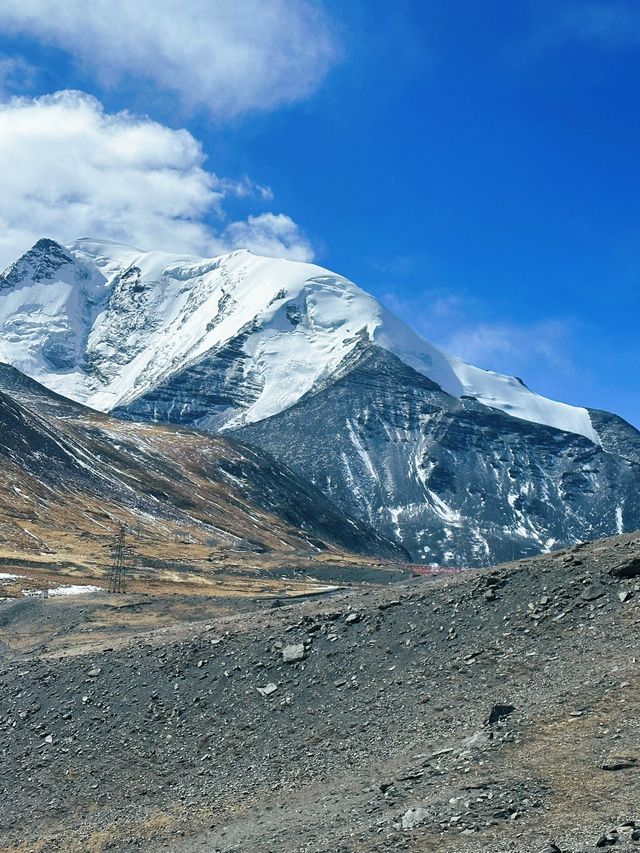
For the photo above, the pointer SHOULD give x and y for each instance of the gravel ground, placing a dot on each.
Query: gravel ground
(497, 710)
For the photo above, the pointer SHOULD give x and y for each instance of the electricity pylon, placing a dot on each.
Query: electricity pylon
(118, 573)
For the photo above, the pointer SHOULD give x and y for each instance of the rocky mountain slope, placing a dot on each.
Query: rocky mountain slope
(462, 466)
(72, 475)
(455, 481)
(495, 710)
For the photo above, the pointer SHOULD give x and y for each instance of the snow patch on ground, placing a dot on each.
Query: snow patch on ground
(79, 589)
(72, 589)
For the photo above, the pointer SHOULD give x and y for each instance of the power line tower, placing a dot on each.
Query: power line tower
(118, 572)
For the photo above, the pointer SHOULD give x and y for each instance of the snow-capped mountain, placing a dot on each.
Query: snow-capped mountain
(109, 326)
(267, 347)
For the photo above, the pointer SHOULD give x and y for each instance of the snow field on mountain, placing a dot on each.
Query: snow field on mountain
(112, 322)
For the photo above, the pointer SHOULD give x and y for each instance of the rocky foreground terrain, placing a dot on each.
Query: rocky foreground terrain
(495, 710)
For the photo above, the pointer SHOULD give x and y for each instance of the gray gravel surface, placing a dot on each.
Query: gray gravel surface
(497, 710)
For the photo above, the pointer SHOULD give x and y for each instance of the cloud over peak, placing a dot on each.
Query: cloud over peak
(68, 167)
(230, 58)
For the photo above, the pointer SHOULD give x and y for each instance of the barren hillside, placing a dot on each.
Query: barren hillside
(496, 710)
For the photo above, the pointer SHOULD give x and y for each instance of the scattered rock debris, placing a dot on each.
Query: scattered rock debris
(423, 715)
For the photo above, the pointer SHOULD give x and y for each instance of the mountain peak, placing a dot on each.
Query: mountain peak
(46, 244)
(41, 262)
(289, 325)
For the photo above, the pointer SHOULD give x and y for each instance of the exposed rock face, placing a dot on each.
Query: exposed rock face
(42, 262)
(455, 481)
(616, 435)
(207, 393)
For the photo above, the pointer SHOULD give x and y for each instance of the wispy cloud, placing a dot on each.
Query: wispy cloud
(16, 75)
(227, 57)
(515, 345)
(68, 168)
(466, 326)
(593, 22)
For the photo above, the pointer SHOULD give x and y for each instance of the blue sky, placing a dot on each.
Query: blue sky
(474, 165)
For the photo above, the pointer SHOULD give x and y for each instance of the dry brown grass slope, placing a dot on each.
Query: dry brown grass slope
(205, 514)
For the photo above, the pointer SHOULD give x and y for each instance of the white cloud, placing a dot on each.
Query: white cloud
(70, 169)
(230, 57)
(270, 234)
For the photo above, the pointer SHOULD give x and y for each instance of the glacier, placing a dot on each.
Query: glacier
(104, 324)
